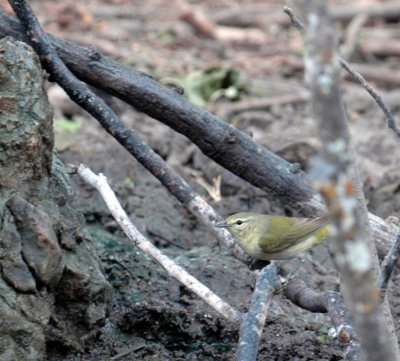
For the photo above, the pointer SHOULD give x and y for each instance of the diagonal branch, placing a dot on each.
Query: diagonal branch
(218, 140)
(254, 321)
(244, 158)
(100, 183)
(128, 138)
(329, 302)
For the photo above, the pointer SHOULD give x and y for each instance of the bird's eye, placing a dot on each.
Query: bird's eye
(239, 222)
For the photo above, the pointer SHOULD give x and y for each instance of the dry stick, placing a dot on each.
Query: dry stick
(387, 266)
(108, 119)
(202, 23)
(254, 321)
(329, 302)
(100, 183)
(128, 138)
(147, 157)
(357, 76)
(177, 186)
(378, 48)
(378, 99)
(218, 140)
(340, 184)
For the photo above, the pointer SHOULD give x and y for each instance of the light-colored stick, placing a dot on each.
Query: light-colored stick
(100, 183)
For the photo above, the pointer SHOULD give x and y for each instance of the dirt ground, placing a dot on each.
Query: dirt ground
(153, 316)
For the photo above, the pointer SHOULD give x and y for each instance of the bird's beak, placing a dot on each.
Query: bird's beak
(221, 225)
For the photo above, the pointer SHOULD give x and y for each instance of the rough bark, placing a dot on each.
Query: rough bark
(218, 140)
(338, 179)
(52, 288)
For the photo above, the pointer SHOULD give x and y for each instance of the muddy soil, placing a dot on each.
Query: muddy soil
(153, 316)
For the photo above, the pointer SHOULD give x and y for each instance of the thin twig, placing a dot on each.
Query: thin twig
(100, 183)
(387, 266)
(378, 99)
(293, 18)
(391, 122)
(254, 321)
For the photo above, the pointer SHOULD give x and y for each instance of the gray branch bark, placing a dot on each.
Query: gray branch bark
(338, 180)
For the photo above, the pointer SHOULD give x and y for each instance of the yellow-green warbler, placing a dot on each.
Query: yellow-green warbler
(270, 237)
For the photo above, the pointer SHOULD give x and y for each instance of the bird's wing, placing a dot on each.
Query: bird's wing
(300, 229)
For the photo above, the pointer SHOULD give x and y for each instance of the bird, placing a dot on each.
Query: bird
(273, 237)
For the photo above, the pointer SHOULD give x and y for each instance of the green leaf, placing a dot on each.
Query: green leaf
(165, 35)
(66, 124)
(128, 181)
(211, 84)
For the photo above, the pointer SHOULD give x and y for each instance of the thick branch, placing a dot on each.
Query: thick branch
(329, 302)
(301, 295)
(244, 158)
(221, 142)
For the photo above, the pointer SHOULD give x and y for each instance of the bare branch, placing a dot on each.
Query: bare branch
(293, 18)
(378, 99)
(329, 302)
(100, 183)
(254, 321)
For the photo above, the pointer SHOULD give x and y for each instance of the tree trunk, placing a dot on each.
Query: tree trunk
(53, 292)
